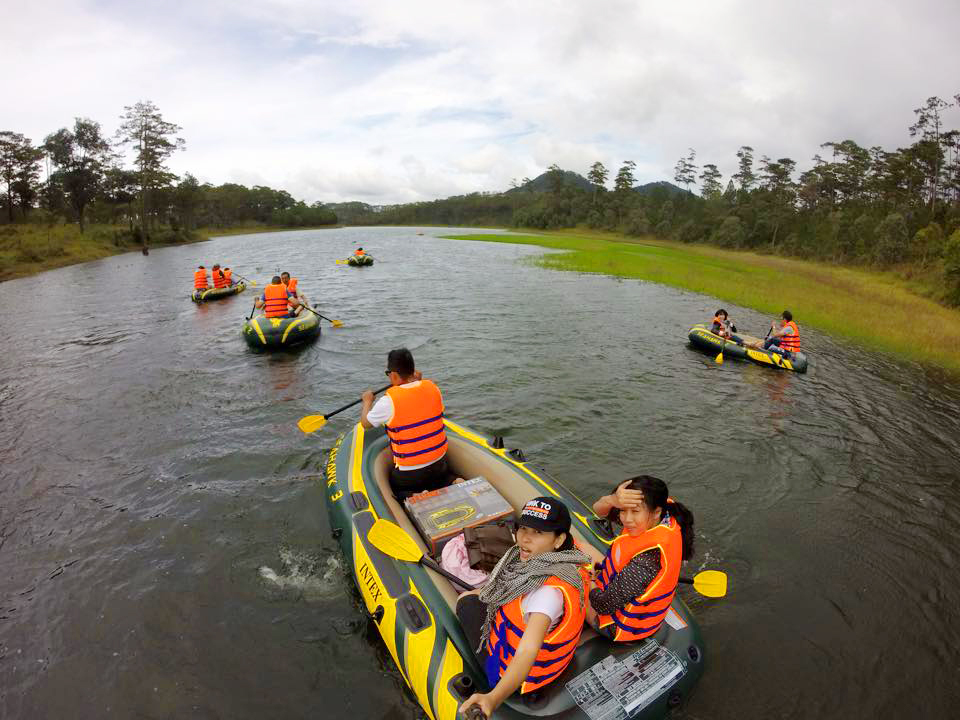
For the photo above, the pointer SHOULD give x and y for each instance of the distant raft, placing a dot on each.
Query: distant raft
(202, 296)
(359, 260)
(265, 333)
(701, 337)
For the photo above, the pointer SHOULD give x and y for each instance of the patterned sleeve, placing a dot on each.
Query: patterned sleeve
(629, 584)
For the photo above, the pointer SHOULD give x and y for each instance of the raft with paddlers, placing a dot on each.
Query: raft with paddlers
(701, 337)
(360, 260)
(413, 604)
(281, 332)
(202, 296)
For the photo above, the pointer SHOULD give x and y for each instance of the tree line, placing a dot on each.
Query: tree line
(80, 174)
(891, 209)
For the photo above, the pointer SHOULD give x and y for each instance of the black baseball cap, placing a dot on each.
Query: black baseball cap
(545, 513)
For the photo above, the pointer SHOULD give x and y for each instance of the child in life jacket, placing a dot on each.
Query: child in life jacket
(527, 620)
(723, 327)
(635, 583)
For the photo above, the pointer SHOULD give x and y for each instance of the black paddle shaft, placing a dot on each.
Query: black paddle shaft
(355, 402)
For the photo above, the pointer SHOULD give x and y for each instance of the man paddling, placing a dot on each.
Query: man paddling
(785, 339)
(412, 410)
(277, 301)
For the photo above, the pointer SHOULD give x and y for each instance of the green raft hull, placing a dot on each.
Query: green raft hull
(702, 338)
(361, 261)
(202, 296)
(414, 608)
(263, 333)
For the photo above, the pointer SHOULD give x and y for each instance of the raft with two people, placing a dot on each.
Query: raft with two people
(413, 600)
(780, 348)
(288, 320)
(360, 260)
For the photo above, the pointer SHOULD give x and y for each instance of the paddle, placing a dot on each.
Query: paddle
(719, 357)
(251, 283)
(392, 540)
(335, 323)
(252, 310)
(474, 713)
(312, 423)
(711, 583)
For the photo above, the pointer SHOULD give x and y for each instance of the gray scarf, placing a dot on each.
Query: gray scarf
(511, 578)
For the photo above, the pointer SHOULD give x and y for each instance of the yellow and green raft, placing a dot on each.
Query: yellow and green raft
(359, 260)
(413, 607)
(701, 337)
(265, 333)
(202, 296)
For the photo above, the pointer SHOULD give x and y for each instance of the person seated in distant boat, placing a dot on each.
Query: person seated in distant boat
(228, 276)
(527, 619)
(359, 252)
(635, 583)
(290, 282)
(412, 411)
(219, 280)
(723, 327)
(200, 278)
(784, 339)
(277, 301)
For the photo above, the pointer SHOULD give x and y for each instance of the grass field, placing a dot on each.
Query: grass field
(27, 249)
(876, 310)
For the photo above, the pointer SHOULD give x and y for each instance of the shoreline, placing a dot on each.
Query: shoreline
(847, 303)
(63, 245)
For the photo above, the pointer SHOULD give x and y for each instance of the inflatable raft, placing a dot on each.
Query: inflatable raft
(202, 296)
(414, 607)
(701, 337)
(262, 332)
(359, 260)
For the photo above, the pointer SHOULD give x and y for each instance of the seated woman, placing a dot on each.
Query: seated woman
(526, 621)
(636, 582)
(723, 327)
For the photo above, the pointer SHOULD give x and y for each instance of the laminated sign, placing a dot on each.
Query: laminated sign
(616, 689)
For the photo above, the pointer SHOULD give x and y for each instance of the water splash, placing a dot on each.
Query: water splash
(308, 575)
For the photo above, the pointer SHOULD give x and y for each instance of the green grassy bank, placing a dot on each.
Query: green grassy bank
(876, 310)
(29, 249)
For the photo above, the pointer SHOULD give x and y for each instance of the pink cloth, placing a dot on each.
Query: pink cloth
(454, 559)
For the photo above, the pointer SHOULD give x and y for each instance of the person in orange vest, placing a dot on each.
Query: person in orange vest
(527, 619)
(723, 327)
(276, 300)
(785, 339)
(412, 411)
(290, 282)
(200, 278)
(228, 276)
(219, 281)
(636, 581)
(359, 252)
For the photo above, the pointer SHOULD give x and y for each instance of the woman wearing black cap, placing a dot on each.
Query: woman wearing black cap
(636, 582)
(527, 619)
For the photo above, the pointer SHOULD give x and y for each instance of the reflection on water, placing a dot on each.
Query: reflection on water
(163, 535)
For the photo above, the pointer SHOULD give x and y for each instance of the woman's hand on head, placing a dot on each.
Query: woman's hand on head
(625, 498)
(480, 700)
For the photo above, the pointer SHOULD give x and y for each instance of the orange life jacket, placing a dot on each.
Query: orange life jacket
(292, 285)
(642, 616)
(200, 280)
(417, 435)
(219, 281)
(359, 253)
(275, 300)
(228, 276)
(556, 652)
(720, 325)
(791, 342)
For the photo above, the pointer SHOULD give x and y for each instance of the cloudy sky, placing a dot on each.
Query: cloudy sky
(387, 101)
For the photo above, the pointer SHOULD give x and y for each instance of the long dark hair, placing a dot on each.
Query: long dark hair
(656, 495)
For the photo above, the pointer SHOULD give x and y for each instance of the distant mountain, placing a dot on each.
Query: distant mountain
(660, 186)
(544, 183)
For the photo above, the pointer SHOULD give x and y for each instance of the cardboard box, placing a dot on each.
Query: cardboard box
(442, 514)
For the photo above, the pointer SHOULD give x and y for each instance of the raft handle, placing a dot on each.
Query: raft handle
(336, 533)
(694, 652)
(462, 685)
(674, 698)
(378, 614)
(497, 442)
(414, 612)
(359, 501)
(517, 454)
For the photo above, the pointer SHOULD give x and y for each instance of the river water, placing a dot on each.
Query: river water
(163, 537)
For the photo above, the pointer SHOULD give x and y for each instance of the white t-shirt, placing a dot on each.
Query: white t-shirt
(546, 600)
(382, 413)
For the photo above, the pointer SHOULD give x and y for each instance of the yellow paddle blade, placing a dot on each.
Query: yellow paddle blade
(392, 540)
(340, 262)
(311, 423)
(719, 358)
(711, 583)
(336, 323)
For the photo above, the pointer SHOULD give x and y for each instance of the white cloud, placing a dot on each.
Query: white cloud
(388, 102)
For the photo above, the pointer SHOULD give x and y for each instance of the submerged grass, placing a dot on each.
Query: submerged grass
(876, 310)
